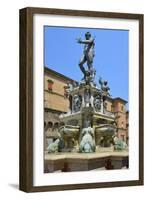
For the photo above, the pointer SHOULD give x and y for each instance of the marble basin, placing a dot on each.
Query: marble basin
(105, 130)
(104, 134)
(69, 130)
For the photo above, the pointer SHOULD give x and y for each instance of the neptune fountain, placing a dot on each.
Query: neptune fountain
(88, 123)
(88, 133)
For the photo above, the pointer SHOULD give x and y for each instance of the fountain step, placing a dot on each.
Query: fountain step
(68, 162)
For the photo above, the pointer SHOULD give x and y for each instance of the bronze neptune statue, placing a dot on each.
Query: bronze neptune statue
(88, 54)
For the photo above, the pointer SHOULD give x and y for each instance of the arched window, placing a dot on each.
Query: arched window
(50, 125)
(56, 125)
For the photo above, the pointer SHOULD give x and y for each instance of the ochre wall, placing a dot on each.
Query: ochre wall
(55, 99)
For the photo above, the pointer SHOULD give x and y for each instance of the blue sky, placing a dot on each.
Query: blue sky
(62, 54)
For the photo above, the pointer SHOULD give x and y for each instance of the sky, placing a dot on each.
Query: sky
(62, 54)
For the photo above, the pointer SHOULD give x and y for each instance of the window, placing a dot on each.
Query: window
(50, 125)
(122, 124)
(56, 125)
(122, 137)
(65, 91)
(122, 108)
(50, 85)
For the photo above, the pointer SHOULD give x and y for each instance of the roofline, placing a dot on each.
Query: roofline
(116, 99)
(109, 97)
(120, 99)
(57, 74)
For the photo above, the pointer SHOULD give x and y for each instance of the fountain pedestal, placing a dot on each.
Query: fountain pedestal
(87, 112)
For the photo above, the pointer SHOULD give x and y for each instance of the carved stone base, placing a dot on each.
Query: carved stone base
(69, 162)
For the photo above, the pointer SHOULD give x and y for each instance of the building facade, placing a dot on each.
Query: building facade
(56, 102)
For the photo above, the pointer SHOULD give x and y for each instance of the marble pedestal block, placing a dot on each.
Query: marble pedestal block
(71, 162)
